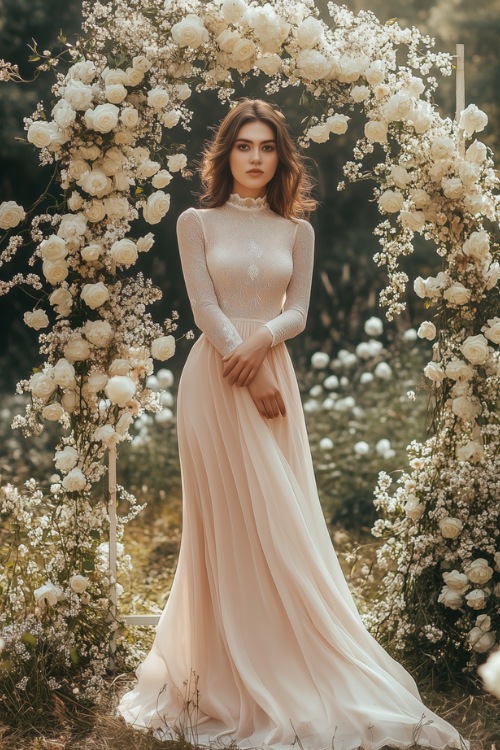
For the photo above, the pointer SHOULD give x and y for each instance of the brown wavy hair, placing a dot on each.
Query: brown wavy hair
(288, 192)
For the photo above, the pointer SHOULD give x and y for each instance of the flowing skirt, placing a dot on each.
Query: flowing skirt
(260, 641)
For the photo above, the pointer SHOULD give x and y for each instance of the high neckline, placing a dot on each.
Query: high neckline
(247, 203)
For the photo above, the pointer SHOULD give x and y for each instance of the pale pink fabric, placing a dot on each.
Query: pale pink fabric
(260, 630)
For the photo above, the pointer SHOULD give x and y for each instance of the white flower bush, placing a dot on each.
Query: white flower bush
(130, 80)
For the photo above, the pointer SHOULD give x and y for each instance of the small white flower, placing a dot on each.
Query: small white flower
(490, 673)
(320, 360)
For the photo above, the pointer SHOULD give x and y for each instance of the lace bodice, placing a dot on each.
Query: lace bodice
(241, 260)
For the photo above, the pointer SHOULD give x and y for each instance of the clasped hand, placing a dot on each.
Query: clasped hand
(245, 366)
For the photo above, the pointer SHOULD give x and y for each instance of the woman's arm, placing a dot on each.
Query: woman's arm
(208, 316)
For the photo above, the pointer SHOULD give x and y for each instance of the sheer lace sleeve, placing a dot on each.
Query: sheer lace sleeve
(292, 319)
(207, 314)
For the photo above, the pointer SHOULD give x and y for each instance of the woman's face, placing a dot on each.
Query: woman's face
(253, 159)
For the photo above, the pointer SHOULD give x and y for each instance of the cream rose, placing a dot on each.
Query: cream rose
(478, 571)
(40, 134)
(375, 73)
(42, 385)
(312, 65)
(98, 332)
(124, 252)
(398, 107)
(47, 595)
(70, 401)
(414, 220)
(120, 389)
(53, 248)
(95, 183)
(176, 162)
(106, 434)
(233, 10)
(469, 173)
(457, 369)
(161, 179)
(243, 50)
(134, 77)
(427, 330)
(319, 133)
(450, 528)
(413, 509)
(163, 348)
(476, 349)
(434, 372)
(78, 94)
(77, 349)
(83, 71)
(491, 330)
(66, 459)
(61, 300)
(11, 214)
(477, 245)
(457, 293)
(74, 481)
(95, 295)
(79, 583)
(97, 381)
(55, 271)
(95, 211)
(450, 598)
(309, 32)
(114, 77)
(119, 367)
(115, 93)
(420, 198)
(105, 117)
(145, 243)
(376, 131)
(351, 67)
(91, 252)
(337, 124)
(130, 117)
(37, 319)
(170, 119)
(391, 201)
(481, 642)
(456, 581)
(490, 670)
(466, 408)
(227, 40)
(53, 412)
(72, 227)
(476, 599)
(476, 153)
(472, 452)
(442, 148)
(360, 93)
(64, 373)
(452, 187)
(158, 98)
(472, 120)
(190, 32)
(156, 206)
(141, 62)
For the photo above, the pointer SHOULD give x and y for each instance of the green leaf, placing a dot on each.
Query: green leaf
(28, 638)
(73, 654)
(33, 58)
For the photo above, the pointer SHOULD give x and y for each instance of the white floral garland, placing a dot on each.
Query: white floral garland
(130, 80)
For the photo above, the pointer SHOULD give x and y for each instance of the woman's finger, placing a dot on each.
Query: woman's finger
(281, 403)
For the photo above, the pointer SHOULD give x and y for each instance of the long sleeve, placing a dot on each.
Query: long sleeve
(292, 319)
(207, 313)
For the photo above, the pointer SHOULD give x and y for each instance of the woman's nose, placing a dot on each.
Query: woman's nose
(255, 157)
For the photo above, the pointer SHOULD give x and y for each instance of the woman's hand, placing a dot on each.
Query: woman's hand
(242, 364)
(266, 394)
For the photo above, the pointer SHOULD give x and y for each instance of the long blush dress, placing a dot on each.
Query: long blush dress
(260, 641)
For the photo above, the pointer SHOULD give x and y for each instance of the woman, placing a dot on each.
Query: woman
(260, 641)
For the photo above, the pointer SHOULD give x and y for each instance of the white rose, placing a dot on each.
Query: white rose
(115, 93)
(475, 349)
(381, 90)
(95, 183)
(145, 243)
(95, 295)
(124, 252)
(452, 187)
(158, 98)
(375, 73)
(116, 76)
(476, 599)
(95, 211)
(337, 124)
(400, 176)
(105, 117)
(116, 207)
(42, 386)
(156, 206)
(79, 583)
(72, 226)
(491, 330)
(55, 271)
(141, 62)
(119, 367)
(420, 198)
(66, 459)
(37, 319)
(48, 594)
(469, 173)
(11, 214)
(270, 65)
(456, 581)
(106, 434)
(457, 293)
(53, 412)
(376, 131)
(170, 119)
(176, 162)
(476, 153)
(450, 527)
(161, 179)
(351, 67)
(129, 116)
(233, 10)
(61, 300)
(360, 93)
(398, 107)
(309, 32)
(227, 40)
(124, 423)
(492, 275)
(77, 349)
(471, 452)
(383, 371)
(465, 408)
(490, 671)
(70, 401)
(481, 642)
(427, 330)
(78, 167)
(74, 481)
(120, 389)
(391, 201)
(84, 71)
(182, 91)
(414, 220)
(472, 120)
(75, 201)
(98, 332)
(97, 381)
(442, 148)
(312, 65)
(413, 509)
(421, 117)
(40, 134)
(78, 94)
(64, 373)
(478, 571)
(64, 115)
(438, 170)
(457, 369)
(163, 348)
(190, 32)
(134, 76)
(243, 50)
(319, 133)
(434, 372)
(450, 598)
(53, 248)
(477, 245)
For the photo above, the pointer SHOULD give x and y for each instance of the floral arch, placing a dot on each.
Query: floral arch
(129, 83)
